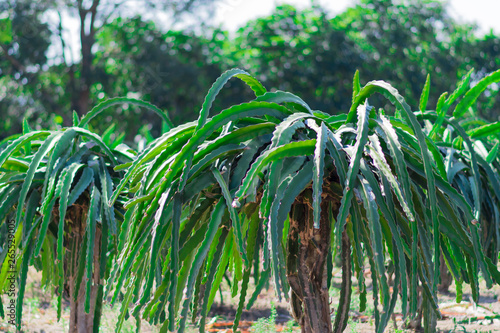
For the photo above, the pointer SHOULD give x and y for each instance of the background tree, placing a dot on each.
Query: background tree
(306, 51)
(42, 82)
(64, 83)
(23, 47)
(170, 70)
(302, 51)
(299, 50)
(403, 42)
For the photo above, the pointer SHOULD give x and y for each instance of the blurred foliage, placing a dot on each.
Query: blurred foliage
(303, 52)
(24, 41)
(46, 72)
(167, 69)
(404, 43)
(306, 51)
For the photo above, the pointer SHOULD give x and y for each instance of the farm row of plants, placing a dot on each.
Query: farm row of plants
(266, 189)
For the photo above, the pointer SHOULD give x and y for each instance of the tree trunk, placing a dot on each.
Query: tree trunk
(80, 321)
(81, 87)
(83, 97)
(306, 267)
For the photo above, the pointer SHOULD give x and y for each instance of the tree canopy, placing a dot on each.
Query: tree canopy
(46, 72)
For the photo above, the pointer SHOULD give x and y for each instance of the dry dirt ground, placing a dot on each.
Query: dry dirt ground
(39, 314)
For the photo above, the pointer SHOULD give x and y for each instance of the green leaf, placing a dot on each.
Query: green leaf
(284, 132)
(217, 87)
(390, 137)
(90, 230)
(462, 86)
(424, 97)
(160, 229)
(26, 130)
(398, 100)
(253, 83)
(233, 113)
(76, 120)
(437, 157)
(14, 145)
(106, 190)
(29, 216)
(22, 283)
(106, 136)
(83, 183)
(213, 267)
(81, 265)
(284, 97)
(356, 86)
(152, 150)
(441, 112)
(14, 164)
(473, 94)
(209, 159)
(60, 150)
(381, 164)
(251, 242)
(62, 191)
(492, 155)
(389, 215)
(123, 100)
(47, 264)
(369, 201)
(5, 268)
(214, 223)
(234, 215)
(221, 269)
(339, 157)
(127, 257)
(318, 171)
(228, 143)
(183, 159)
(174, 261)
(290, 187)
(42, 151)
(346, 287)
(484, 131)
(98, 141)
(299, 148)
(475, 169)
(127, 298)
(43, 227)
(5, 30)
(352, 174)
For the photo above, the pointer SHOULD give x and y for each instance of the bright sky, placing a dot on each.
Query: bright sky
(234, 13)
